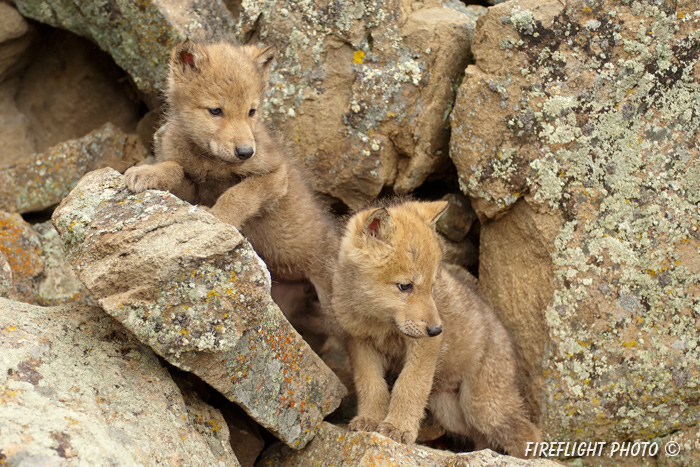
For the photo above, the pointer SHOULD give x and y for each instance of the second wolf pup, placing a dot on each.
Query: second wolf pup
(217, 152)
(406, 314)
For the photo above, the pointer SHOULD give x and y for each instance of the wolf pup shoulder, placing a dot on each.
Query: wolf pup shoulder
(404, 313)
(216, 152)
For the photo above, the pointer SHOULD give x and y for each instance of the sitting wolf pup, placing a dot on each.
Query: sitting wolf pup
(216, 152)
(403, 312)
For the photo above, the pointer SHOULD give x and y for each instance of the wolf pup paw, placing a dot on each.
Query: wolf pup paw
(363, 424)
(397, 434)
(143, 178)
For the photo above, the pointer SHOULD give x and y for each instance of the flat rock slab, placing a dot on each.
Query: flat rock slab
(138, 35)
(44, 179)
(77, 389)
(336, 446)
(193, 289)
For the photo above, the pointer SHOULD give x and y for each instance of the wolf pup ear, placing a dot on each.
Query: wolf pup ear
(379, 225)
(264, 56)
(431, 211)
(186, 56)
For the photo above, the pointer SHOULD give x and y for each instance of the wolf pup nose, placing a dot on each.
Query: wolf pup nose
(390, 292)
(244, 152)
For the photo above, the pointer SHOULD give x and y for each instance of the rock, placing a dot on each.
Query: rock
(20, 248)
(575, 138)
(70, 88)
(138, 36)
(35, 269)
(362, 89)
(246, 437)
(14, 37)
(336, 446)
(194, 290)
(77, 389)
(43, 180)
(457, 219)
(207, 420)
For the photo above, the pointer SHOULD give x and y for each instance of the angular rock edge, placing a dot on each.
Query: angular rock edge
(194, 290)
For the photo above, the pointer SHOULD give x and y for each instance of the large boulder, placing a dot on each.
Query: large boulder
(363, 89)
(193, 289)
(77, 389)
(575, 134)
(138, 36)
(336, 446)
(42, 180)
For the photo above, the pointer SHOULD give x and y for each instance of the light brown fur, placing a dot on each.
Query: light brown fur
(206, 160)
(466, 375)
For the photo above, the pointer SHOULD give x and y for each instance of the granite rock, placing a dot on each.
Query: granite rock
(575, 136)
(77, 389)
(336, 446)
(43, 180)
(362, 90)
(139, 36)
(193, 289)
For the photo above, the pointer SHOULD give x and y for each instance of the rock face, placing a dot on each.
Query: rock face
(577, 130)
(43, 180)
(362, 89)
(111, 403)
(335, 446)
(138, 37)
(194, 290)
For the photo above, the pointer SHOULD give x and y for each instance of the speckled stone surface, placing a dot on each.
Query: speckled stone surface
(335, 446)
(193, 289)
(362, 90)
(42, 180)
(77, 389)
(139, 36)
(577, 129)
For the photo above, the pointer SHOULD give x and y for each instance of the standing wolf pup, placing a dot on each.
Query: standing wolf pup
(217, 152)
(405, 313)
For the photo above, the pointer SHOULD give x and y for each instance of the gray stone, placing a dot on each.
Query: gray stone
(77, 389)
(575, 136)
(336, 446)
(138, 36)
(42, 180)
(362, 89)
(194, 290)
(14, 37)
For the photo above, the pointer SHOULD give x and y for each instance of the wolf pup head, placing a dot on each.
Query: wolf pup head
(388, 264)
(214, 94)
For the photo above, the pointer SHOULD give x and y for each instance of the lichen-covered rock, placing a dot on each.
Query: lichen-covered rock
(336, 446)
(77, 389)
(139, 36)
(44, 179)
(194, 290)
(362, 89)
(578, 124)
(21, 249)
(35, 269)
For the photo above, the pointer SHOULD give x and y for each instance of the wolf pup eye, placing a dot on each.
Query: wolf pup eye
(407, 287)
(251, 113)
(215, 111)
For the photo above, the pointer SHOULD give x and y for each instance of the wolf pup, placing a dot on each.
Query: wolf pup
(404, 314)
(217, 152)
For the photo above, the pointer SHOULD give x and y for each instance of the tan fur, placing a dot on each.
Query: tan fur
(265, 196)
(466, 375)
